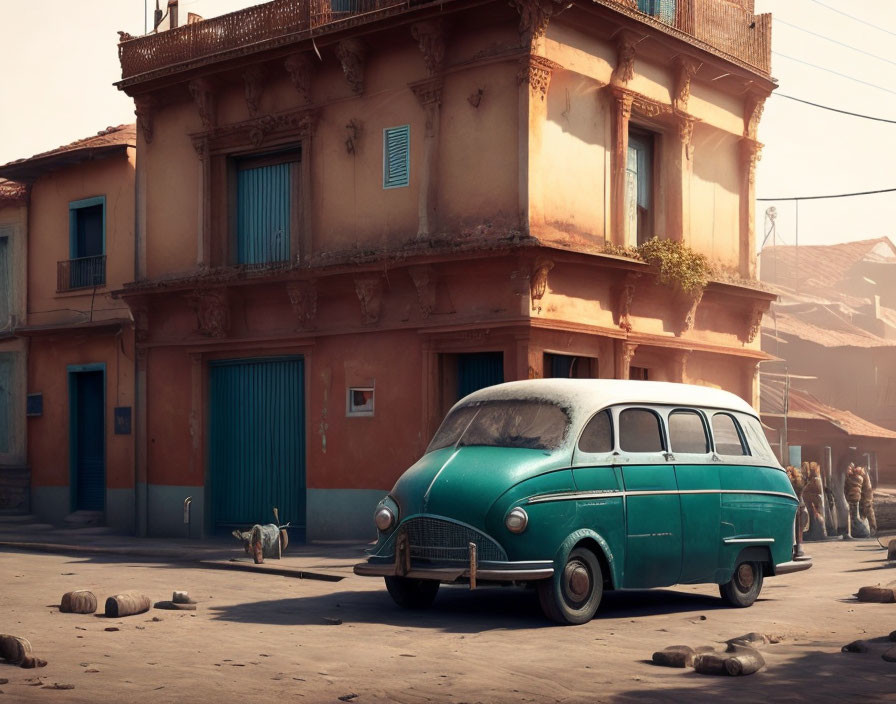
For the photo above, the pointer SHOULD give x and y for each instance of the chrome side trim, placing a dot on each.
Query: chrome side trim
(793, 566)
(452, 574)
(729, 541)
(613, 493)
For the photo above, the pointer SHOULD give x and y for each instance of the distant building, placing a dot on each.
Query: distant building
(349, 215)
(834, 326)
(78, 242)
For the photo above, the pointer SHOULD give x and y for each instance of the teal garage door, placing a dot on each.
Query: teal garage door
(257, 442)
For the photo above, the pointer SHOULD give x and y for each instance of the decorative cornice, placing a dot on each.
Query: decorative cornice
(369, 290)
(429, 91)
(212, 307)
(298, 124)
(424, 278)
(685, 69)
(351, 54)
(254, 79)
(751, 153)
(203, 94)
(536, 71)
(534, 18)
(303, 299)
(145, 110)
(299, 68)
(430, 36)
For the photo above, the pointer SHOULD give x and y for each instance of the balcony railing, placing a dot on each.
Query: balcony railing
(85, 272)
(728, 26)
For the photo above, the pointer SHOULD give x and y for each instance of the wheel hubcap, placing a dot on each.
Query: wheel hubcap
(745, 576)
(578, 580)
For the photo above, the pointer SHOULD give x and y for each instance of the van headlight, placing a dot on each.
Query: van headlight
(384, 519)
(517, 520)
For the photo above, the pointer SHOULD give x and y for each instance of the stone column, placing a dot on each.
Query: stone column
(624, 352)
(203, 239)
(622, 112)
(750, 153)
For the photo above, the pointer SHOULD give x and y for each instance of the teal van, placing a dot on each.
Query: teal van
(583, 485)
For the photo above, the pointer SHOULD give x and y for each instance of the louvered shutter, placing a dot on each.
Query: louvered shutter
(396, 156)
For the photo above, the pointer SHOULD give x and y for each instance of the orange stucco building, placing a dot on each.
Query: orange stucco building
(79, 340)
(347, 219)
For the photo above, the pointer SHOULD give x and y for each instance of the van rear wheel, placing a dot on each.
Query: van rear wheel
(571, 596)
(412, 593)
(744, 586)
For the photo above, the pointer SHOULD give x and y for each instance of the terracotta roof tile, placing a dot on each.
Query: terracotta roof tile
(824, 325)
(11, 193)
(122, 134)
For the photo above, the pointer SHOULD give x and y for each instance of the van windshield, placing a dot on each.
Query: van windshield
(533, 425)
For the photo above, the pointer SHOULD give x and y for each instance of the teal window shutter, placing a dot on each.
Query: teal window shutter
(396, 156)
(263, 221)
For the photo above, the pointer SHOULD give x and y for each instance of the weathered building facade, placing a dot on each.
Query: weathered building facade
(80, 341)
(348, 220)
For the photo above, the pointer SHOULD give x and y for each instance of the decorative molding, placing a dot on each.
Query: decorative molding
(686, 134)
(625, 352)
(753, 322)
(204, 96)
(751, 153)
(351, 54)
(424, 278)
(430, 36)
(297, 124)
(303, 299)
(370, 294)
(299, 68)
(753, 108)
(254, 79)
(685, 69)
(428, 92)
(212, 307)
(538, 280)
(624, 294)
(534, 18)
(145, 110)
(686, 305)
(650, 108)
(536, 71)
(200, 144)
(625, 58)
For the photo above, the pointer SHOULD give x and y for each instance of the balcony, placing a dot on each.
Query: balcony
(726, 27)
(86, 272)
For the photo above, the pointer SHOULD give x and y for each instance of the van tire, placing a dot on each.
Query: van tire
(572, 595)
(744, 586)
(412, 593)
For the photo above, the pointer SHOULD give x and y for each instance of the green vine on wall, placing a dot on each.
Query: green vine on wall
(679, 266)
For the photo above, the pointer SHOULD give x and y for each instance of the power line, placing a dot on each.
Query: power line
(827, 107)
(835, 41)
(836, 195)
(836, 73)
(853, 17)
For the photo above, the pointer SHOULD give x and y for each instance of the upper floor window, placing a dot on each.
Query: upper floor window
(266, 190)
(639, 186)
(687, 434)
(661, 9)
(640, 431)
(727, 435)
(396, 156)
(87, 245)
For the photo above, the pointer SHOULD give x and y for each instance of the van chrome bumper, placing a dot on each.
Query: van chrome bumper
(792, 566)
(485, 572)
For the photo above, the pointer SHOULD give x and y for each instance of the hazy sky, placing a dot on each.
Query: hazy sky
(60, 60)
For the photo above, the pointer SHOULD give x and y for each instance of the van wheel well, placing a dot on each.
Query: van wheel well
(760, 554)
(592, 545)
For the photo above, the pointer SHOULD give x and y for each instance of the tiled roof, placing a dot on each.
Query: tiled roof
(11, 193)
(804, 405)
(98, 145)
(822, 324)
(821, 266)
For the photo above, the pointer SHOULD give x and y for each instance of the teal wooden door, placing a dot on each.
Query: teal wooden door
(477, 370)
(263, 205)
(257, 442)
(88, 440)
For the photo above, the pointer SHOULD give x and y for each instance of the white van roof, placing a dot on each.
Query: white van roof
(583, 396)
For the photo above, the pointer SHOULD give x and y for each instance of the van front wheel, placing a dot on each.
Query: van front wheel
(745, 585)
(573, 595)
(412, 593)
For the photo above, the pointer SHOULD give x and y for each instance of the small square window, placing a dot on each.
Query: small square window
(360, 401)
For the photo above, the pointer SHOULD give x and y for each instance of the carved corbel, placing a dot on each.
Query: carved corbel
(686, 134)
(753, 322)
(624, 295)
(534, 18)
(751, 153)
(424, 278)
(200, 144)
(625, 352)
(254, 80)
(685, 70)
(686, 311)
(625, 58)
(430, 36)
(351, 54)
(303, 299)
(538, 281)
(204, 96)
(536, 71)
(753, 107)
(145, 110)
(299, 68)
(370, 294)
(212, 307)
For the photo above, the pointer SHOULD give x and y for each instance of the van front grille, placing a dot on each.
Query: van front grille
(437, 539)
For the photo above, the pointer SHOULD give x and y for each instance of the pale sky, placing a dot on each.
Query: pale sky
(60, 61)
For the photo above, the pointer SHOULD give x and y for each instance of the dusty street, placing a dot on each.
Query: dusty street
(265, 638)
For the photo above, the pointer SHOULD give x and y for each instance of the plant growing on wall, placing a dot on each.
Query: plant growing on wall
(680, 267)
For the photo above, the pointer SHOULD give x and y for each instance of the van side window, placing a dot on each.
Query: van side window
(687, 433)
(598, 434)
(756, 438)
(640, 431)
(727, 436)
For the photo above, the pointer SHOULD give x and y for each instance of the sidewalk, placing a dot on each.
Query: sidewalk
(328, 561)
